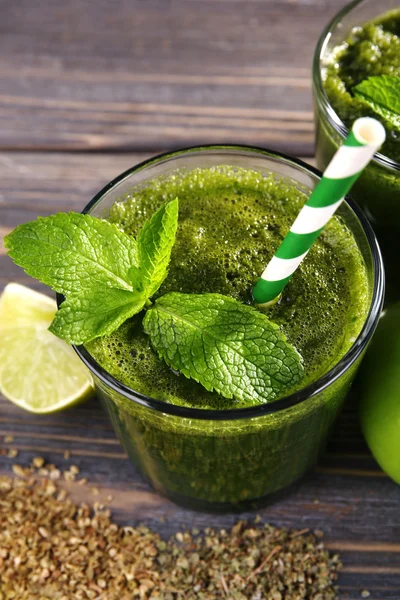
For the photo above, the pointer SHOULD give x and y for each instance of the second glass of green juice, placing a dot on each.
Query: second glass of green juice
(361, 41)
(235, 206)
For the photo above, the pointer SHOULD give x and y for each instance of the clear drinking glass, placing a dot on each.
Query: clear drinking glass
(377, 191)
(216, 459)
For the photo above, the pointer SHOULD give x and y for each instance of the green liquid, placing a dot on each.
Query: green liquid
(230, 224)
(372, 49)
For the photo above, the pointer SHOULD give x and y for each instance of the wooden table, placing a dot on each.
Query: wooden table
(88, 89)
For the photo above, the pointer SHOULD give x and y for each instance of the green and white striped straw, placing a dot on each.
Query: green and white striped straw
(365, 138)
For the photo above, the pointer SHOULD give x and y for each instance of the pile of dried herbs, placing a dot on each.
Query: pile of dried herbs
(52, 548)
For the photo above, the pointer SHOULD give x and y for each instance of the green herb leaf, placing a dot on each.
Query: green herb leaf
(224, 345)
(73, 252)
(154, 245)
(382, 94)
(96, 312)
(106, 276)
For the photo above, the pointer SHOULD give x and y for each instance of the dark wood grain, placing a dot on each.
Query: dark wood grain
(137, 75)
(346, 495)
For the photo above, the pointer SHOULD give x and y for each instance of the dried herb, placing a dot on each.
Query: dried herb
(250, 562)
(52, 548)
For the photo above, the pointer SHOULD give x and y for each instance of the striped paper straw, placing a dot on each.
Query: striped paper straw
(365, 138)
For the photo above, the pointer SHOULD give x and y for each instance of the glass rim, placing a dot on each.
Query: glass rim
(321, 95)
(286, 402)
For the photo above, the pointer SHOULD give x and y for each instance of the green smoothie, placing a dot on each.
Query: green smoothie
(231, 220)
(370, 49)
(230, 223)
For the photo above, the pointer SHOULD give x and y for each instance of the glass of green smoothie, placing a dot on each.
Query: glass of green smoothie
(363, 40)
(236, 204)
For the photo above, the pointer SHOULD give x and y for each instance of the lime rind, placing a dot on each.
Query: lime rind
(38, 371)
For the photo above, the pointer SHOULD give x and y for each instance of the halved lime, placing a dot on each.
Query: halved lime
(38, 371)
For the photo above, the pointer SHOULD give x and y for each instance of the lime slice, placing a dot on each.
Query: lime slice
(38, 371)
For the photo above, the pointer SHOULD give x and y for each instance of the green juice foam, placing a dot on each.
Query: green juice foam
(231, 221)
(372, 49)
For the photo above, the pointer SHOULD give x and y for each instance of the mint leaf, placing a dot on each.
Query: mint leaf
(154, 245)
(96, 312)
(106, 275)
(73, 252)
(224, 345)
(382, 94)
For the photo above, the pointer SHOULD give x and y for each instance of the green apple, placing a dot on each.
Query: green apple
(380, 393)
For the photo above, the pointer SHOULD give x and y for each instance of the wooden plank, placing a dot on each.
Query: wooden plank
(33, 183)
(346, 495)
(139, 75)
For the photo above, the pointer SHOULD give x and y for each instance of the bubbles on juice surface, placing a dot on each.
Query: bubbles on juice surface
(231, 221)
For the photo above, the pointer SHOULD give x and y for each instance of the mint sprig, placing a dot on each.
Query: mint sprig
(226, 346)
(101, 270)
(382, 94)
(107, 277)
